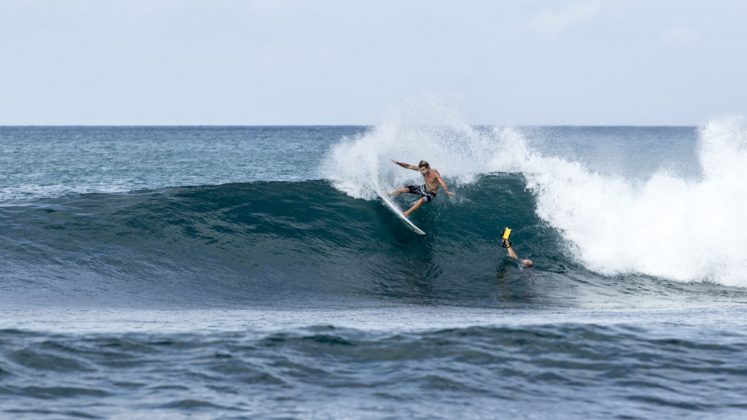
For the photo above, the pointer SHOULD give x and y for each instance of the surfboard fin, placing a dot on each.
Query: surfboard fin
(504, 237)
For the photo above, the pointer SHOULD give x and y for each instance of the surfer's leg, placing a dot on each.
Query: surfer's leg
(414, 207)
(411, 189)
(399, 191)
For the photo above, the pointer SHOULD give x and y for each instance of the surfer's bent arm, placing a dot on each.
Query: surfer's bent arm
(443, 184)
(405, 165)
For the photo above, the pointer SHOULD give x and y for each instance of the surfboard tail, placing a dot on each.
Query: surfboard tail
(393, 207)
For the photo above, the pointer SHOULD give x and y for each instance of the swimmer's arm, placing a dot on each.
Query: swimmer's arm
(522, 262)
(512, 253)
(405, 165)
(443, 184)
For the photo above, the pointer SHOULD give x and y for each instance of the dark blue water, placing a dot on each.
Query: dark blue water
(250, 272)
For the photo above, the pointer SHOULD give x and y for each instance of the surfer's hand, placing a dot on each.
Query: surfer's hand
(450, 194)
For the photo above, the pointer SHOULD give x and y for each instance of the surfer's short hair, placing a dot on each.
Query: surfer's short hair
(424, 164)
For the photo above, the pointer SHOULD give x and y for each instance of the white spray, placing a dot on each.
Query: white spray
(666, 227)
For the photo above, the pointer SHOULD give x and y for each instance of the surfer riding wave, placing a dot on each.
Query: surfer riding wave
(427, 191)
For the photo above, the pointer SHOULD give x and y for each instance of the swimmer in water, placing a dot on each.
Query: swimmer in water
(510, 250)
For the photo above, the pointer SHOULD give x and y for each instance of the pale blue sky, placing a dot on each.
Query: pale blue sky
(347, 62)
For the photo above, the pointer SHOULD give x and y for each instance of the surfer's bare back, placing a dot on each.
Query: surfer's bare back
(427, 191)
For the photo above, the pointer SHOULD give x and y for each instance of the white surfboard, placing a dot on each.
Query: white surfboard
(393, 207)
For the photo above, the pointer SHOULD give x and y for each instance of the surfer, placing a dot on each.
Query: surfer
(510, 250)
(427, 191)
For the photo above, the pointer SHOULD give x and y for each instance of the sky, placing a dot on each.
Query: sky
(285, 62)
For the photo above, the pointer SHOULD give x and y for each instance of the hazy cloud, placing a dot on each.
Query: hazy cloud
(680, 37)
(560, 18)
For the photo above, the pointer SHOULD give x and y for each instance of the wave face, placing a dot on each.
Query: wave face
(265, 239)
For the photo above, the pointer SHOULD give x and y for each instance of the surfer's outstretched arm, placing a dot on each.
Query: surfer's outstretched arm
(405, 165)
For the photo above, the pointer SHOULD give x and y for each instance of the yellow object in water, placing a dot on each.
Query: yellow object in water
(506, 233)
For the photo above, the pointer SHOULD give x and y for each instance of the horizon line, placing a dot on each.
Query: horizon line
(329, 125)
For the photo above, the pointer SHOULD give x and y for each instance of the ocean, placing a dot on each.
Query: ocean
(251, 272)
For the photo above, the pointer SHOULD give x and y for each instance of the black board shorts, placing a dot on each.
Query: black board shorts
(422, 191)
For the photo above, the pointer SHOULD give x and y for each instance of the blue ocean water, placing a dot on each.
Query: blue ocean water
(251, 272)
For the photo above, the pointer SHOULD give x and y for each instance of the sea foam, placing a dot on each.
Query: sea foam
(667, 226)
